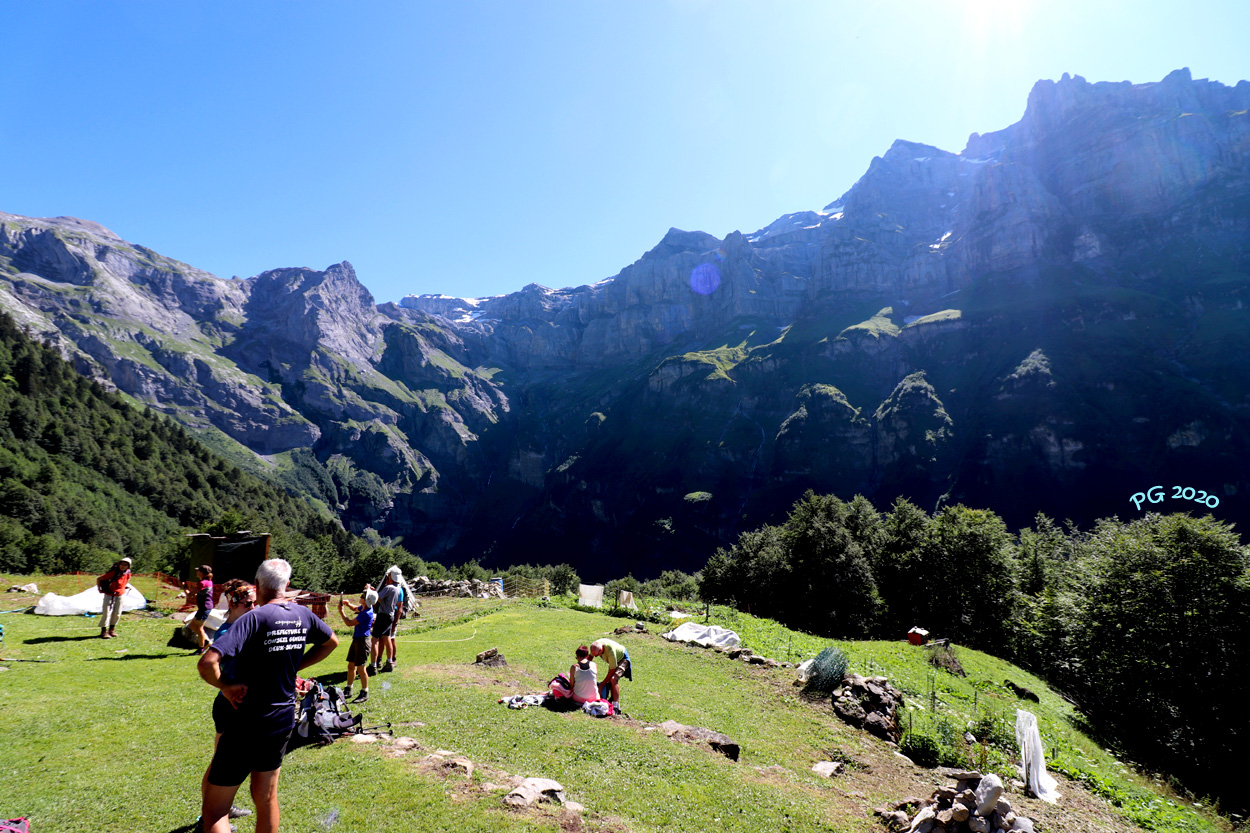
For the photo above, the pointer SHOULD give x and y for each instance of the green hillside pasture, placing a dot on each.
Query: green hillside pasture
(114, 735)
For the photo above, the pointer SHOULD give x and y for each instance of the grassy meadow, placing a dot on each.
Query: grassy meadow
(114, 735)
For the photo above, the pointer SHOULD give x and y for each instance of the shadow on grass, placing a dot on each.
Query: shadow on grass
(136, 656)
(39, 640)
(187, 828)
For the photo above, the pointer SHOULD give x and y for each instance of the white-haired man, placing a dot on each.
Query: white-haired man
(266, 645)
(388, 615)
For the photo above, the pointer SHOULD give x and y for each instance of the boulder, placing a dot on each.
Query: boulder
(697, 734)
(987, 793)
(533, 790)
(827, 768)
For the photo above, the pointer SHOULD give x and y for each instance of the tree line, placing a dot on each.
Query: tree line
(86, 477)
(1140, 622)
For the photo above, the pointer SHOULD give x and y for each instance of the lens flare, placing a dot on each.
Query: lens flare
(705, 278)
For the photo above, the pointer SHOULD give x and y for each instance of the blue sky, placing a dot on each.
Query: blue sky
(471, 148)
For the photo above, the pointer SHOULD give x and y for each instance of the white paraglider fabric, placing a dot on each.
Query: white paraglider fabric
(708, 636)
(1033, 758)
(90, 600)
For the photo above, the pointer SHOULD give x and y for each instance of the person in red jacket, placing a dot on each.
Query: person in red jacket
(113, 585)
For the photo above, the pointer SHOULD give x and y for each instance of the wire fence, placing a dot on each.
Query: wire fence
(520, 587)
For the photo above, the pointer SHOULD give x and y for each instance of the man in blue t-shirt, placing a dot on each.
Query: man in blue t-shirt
(358, 653)
(266, 645)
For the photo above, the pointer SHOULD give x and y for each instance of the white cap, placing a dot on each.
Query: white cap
(371, 597)
(395, 573)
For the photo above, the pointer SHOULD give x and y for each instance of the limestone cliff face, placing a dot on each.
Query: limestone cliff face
(1049, 318)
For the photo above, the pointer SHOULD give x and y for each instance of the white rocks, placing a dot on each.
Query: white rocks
(987, 793)
(827, 768)
(533, 790)
(950, 809)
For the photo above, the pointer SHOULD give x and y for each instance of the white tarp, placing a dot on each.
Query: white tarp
(90, 600)
(709, 636)
(1033, 758)
(626, 599)
(590, 595)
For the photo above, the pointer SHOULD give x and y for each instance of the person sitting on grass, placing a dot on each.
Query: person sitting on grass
(618, 666)
(358, 653)
(584, 675)
(203, 585)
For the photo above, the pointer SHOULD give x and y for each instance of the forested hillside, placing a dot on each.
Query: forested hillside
(1140, 623)
(85, 476)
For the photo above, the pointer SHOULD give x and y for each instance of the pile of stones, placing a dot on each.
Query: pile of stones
(974, 804)
(869, 703)
(751, 658)
(470, 588)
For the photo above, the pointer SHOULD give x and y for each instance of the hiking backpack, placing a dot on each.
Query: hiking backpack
(323, 717)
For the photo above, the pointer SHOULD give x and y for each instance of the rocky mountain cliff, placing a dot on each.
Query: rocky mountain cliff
(1050, 320)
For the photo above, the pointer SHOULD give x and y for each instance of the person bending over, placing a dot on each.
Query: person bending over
(619, 666)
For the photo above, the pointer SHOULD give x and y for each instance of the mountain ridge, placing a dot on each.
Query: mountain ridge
(1105, 232)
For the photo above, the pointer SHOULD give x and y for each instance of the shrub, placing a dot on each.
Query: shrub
(923, 749)
(828, 670)
(943, 656)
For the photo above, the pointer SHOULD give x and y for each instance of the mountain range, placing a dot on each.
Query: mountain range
(1051, 320)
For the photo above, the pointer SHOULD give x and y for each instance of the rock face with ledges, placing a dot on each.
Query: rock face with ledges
(1027, 324)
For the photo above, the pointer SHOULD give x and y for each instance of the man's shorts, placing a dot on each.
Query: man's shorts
(248, 747)
(224, 714)
(358, 653)
(201, 615)
(383, 626)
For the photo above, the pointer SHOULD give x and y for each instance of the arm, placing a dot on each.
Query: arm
(318, 653)
(347, 620)
(209, 667)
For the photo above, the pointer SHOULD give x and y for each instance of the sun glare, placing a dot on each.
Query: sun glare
(985, 21)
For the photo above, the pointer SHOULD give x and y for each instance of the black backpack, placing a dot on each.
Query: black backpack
(323, 717)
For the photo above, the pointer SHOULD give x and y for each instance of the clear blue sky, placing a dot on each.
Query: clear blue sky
(471, 148)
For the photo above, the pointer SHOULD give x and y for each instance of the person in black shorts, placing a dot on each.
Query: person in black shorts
(358, 653)
(203, 587)
(387, 614)
(266, 646)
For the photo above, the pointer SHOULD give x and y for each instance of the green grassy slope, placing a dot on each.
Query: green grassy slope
(113, 735)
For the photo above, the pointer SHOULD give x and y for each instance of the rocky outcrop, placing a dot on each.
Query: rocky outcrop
(869, 703)
(1058, 321)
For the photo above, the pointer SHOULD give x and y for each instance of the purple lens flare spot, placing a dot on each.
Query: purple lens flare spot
(705, 278)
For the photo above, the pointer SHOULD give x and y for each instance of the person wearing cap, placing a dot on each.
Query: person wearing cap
(358, 653)
(113, 585)
(386, 611)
